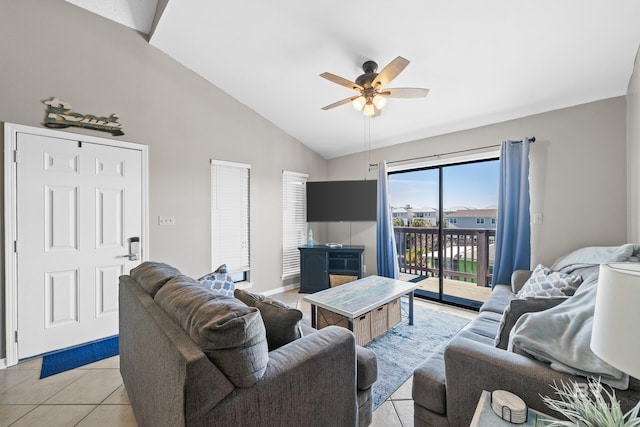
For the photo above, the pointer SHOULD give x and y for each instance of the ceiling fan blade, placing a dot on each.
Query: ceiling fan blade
(342, 81)
(339, 103)
(390, 72)
(405, 92)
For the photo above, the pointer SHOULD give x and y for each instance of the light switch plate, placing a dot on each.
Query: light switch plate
(166, 220)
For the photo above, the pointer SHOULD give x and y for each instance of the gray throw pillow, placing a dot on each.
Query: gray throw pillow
(247, 297)
(230, 333)
(518, 307)
(545, 282)
(281, 321)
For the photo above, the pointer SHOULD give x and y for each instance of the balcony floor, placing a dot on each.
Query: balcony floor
(454, 288)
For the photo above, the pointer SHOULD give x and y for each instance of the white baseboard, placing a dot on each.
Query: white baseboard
(281, 289)
(243, 285)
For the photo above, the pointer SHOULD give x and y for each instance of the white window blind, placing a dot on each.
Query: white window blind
(294, 220)
(230, 185)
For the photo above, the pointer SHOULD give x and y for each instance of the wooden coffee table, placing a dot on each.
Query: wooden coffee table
(361, 301)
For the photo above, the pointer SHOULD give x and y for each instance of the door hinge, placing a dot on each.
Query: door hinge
(15, 156)
(15, 246)
(15, 336)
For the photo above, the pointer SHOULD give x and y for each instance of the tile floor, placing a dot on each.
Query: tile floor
(93, 395)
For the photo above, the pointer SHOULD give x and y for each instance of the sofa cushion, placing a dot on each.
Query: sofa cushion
(230, 333)
(282, 322)
(485, 325)
(465, 333)
(545, 282)
(498, 299)
(516, 308)
(219, 281)
(153, 275)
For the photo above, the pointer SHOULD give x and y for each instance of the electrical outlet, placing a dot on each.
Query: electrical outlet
(537, 218)
(166, 220)
(364, 268)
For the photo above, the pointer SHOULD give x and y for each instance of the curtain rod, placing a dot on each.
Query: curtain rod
(532, 139)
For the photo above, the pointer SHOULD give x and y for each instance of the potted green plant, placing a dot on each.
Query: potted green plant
(588, 407)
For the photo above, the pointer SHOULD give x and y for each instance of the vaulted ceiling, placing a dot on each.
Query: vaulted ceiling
(483, 61)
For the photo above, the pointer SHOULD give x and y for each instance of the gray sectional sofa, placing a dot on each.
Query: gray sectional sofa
(189, 357)
(448, 385)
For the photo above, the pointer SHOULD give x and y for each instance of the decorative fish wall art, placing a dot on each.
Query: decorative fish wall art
(59, 115)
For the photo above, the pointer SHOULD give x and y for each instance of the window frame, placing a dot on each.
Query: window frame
(441, 164)
(294, 221)
(231, 183)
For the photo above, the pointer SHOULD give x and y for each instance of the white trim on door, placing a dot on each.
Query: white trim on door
(11, 131)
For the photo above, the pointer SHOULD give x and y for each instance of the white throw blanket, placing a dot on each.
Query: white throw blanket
(595, 255)
(562, 335)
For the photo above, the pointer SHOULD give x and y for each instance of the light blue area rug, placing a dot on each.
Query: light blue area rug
(404, 348)
(70, 358)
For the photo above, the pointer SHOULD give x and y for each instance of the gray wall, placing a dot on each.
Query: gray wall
(578, 175)
(52, 48)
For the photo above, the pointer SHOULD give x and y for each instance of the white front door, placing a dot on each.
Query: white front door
(78, 210)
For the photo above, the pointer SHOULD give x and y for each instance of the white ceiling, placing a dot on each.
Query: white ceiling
(484, 61)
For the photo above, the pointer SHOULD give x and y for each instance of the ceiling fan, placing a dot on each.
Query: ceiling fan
(370, 85)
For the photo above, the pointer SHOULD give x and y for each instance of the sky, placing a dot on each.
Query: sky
(473, 185)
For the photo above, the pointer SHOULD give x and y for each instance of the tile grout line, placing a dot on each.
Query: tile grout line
(63, 388)
(34, 374)
(24, 415)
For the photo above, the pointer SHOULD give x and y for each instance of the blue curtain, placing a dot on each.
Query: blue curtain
(387, 256)
(513, 232)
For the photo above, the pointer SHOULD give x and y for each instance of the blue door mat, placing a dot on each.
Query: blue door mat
(81, 355)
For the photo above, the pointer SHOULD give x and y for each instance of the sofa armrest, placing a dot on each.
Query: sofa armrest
(311, 378)
(367, 366)
(471, 367)
(367, 362)
(518, 279)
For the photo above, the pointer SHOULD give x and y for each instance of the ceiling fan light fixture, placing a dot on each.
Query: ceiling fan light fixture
(379, 101)
(371, 87)
(359, 103)
(369, 110)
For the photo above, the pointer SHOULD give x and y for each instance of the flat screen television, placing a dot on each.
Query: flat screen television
(333, 201)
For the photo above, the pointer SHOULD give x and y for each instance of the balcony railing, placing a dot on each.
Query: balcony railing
(468, 254)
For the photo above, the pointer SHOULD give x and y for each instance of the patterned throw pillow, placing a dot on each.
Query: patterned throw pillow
(219, 282)
(545, 283)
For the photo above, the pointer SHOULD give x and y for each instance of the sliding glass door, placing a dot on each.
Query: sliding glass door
(444, 222)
